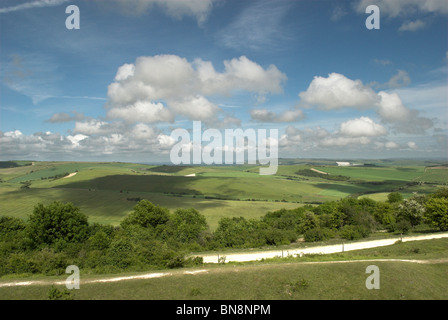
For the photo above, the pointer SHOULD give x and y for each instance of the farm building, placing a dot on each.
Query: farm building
(343, 164)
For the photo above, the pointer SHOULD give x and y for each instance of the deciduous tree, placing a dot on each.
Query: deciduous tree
(57, 222)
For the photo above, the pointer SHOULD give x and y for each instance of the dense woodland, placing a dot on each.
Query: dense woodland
(59, 234)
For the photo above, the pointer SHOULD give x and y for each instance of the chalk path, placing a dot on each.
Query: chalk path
(213, 258)
(253, 256)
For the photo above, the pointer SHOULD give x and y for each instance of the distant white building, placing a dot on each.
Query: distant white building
(343, 164)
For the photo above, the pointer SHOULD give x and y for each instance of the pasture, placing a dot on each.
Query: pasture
(107, 192)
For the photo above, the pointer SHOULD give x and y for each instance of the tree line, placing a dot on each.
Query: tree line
(59, 234)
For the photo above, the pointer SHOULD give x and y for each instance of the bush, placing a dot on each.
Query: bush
(94, 259)
(412, 211)
(352, 232)
(284, 219)
(279, 237)
(186, 226)
(436, 212)
(120, 253)
(146, 215)
(317, 234)
(58, 235)
(394, 197)
(13, 235)
(294, 286)
(238, 233)
(10, 224)
(177, 261)
(307, 222)
(56, 294)
(402, 226)
(194, 261)
(384, 214)
(48, 262)
(99, 241)
(20, 263)
(58, 221)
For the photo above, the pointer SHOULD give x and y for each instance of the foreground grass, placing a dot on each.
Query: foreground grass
(398, 280)
(281, 279)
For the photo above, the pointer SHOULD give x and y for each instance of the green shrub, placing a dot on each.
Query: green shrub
(279, 237)
(353, 232)
(186, 226)
(296, 285)
(99, 241)
(436, 212)
(56, 294)
(10, 224)
(177, 261)
(47, 261)
(318, 234)
(240, 233)
(146, 215)
(402, 226)
(120, 253)
(57, 221)
(20, 263)
(394, 197)
(194, 261)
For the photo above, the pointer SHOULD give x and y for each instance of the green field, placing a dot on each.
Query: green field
(107, 192)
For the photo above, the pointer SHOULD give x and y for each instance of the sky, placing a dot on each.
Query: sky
(115, 88)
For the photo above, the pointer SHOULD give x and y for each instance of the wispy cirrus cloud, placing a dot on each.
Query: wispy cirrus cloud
(407, 9)
(33, 4)
(198, 9)
(264, 115)
(338, 13)
(412, 25)
(256, 27)
(33, 75)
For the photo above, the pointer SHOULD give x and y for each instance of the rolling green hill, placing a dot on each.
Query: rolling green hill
(107, 192)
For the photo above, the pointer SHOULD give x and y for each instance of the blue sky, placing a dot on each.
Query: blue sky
(115, 89)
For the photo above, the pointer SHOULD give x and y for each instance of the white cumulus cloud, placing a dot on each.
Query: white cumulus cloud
(141, 111)
(362, 127)
(405, 120)
(337, 91)
(159, 88)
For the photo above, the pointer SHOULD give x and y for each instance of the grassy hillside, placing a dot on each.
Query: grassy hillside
(107, 192)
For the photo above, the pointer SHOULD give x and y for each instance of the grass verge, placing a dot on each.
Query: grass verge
(286, 279)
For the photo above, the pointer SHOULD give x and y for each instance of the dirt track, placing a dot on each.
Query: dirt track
(260, 255)
(252, 256)
(193, 272)
(102, 280)
(70, 175)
